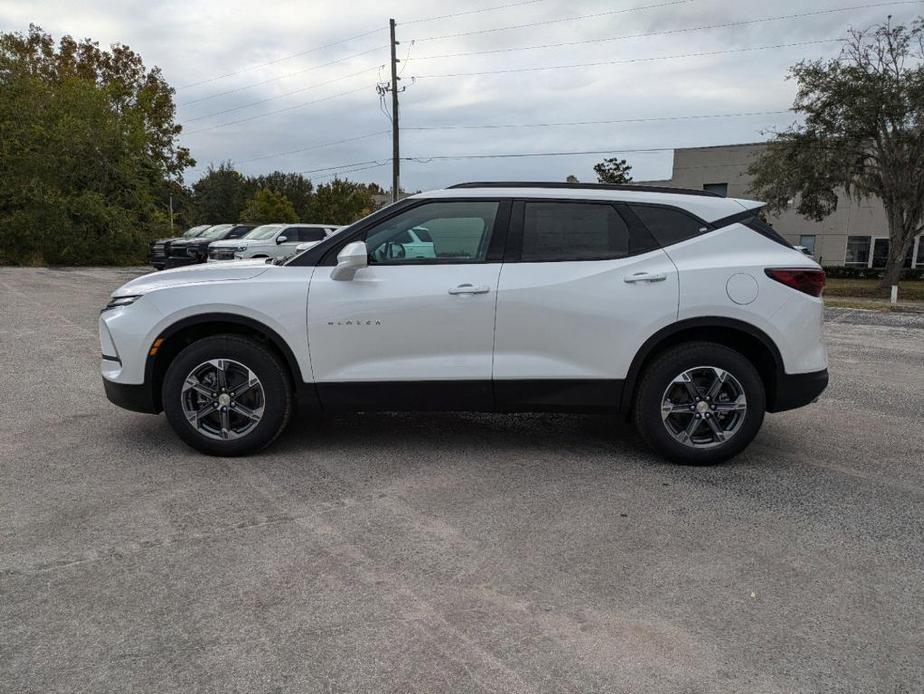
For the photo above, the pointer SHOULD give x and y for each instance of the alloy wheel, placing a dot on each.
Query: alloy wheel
(222, 399)
(703, 407)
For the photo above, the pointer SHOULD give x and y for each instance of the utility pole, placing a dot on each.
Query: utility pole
(171, 214)
(395, 149)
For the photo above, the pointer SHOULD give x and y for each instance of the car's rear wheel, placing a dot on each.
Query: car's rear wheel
(227, 395)
(700, 403)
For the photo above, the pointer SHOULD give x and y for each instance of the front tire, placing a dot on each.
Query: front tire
(700, 403)
(227, 395)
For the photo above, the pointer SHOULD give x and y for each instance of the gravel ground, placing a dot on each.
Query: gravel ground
(443, 552)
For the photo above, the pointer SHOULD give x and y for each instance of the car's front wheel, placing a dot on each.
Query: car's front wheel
(700, 403)
(227, 395)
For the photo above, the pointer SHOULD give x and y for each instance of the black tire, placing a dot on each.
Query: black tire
(275, 386)
(659, 376)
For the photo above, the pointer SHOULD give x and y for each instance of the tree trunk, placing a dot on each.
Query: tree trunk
(901, 236)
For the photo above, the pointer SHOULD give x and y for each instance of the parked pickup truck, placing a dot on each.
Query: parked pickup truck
(161, 247)
(195, 250)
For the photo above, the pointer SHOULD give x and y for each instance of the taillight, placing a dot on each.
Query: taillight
(809, 281)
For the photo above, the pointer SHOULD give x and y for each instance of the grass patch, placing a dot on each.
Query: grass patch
(909, 290)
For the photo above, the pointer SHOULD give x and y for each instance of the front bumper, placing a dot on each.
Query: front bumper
(137, 398)
(221, 254)
(180, 261)
(797, 390)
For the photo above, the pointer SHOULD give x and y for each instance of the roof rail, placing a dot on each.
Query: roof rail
(592, 186)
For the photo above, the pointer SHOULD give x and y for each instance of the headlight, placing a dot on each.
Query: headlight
(240, 249)
(117, 301)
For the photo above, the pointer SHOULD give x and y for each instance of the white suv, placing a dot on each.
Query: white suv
(269, 241)
(679, 310)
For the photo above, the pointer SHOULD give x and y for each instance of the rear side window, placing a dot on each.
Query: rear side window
(764, 229)
(303, 235)
(573, 231)
(668, 225)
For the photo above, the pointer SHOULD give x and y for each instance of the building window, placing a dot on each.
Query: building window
(880, 253)
(808, 242)
(719, 188)
(857, 251)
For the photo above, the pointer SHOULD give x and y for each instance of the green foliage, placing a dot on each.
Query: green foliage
(294, 186)
(341, 202)
(613, 170)
(268, 206)
(87, 141)
(864, 273)
(863, 113)
(220, 195)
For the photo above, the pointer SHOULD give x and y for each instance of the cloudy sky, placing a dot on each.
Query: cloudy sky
(292, 85)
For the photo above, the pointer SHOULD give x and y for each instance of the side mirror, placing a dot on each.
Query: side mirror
(281, 239)
(351, 258)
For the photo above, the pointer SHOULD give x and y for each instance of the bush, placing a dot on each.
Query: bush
(863, 273)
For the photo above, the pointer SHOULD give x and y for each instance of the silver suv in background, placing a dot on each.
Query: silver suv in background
(270, 241)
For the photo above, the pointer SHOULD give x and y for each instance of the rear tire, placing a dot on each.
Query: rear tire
(699, 403)
(227, 395)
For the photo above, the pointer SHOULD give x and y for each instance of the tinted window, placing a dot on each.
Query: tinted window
(305, 234)
(764, 229)
(573, 231)
(238, 231)
(433, 232)
(668, 225)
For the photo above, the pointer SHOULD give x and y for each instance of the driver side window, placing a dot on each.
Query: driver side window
(448, 232)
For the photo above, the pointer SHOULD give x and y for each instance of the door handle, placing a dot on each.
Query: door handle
(646, 277)
(469, 289)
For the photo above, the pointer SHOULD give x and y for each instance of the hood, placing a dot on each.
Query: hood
(194, 274)
(234, 243)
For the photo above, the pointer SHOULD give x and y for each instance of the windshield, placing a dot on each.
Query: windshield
(215, 231)
(267, 231)
(195, 231)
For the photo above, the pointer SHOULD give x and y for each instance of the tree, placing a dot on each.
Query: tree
(268, 206)
(87, 141)
(613, 170)
(220, 195)
(573, 179)
(294, 186)
(340, 202)
(861, 136)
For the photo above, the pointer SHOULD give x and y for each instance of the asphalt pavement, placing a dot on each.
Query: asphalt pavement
(453, 553)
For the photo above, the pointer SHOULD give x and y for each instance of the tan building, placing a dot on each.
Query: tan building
(855, 235)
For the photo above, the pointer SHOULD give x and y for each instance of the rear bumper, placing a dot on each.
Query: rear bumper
(798, 390)
(137, 398)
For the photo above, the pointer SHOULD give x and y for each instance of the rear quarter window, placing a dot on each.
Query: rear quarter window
(764, 229)
(669, 225)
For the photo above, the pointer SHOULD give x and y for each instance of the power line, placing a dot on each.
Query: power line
(668, 32)
(571, 153)
(281, 110)
(279, 60)
(350, 171)
(282, 77)
(627, 61)
(489, 126)
(313, 147)
(607, 13)
(523, 155)
(468, 12)
(281, 96)
(376, 162)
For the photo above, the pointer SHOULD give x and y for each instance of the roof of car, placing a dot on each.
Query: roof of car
(705, 205)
